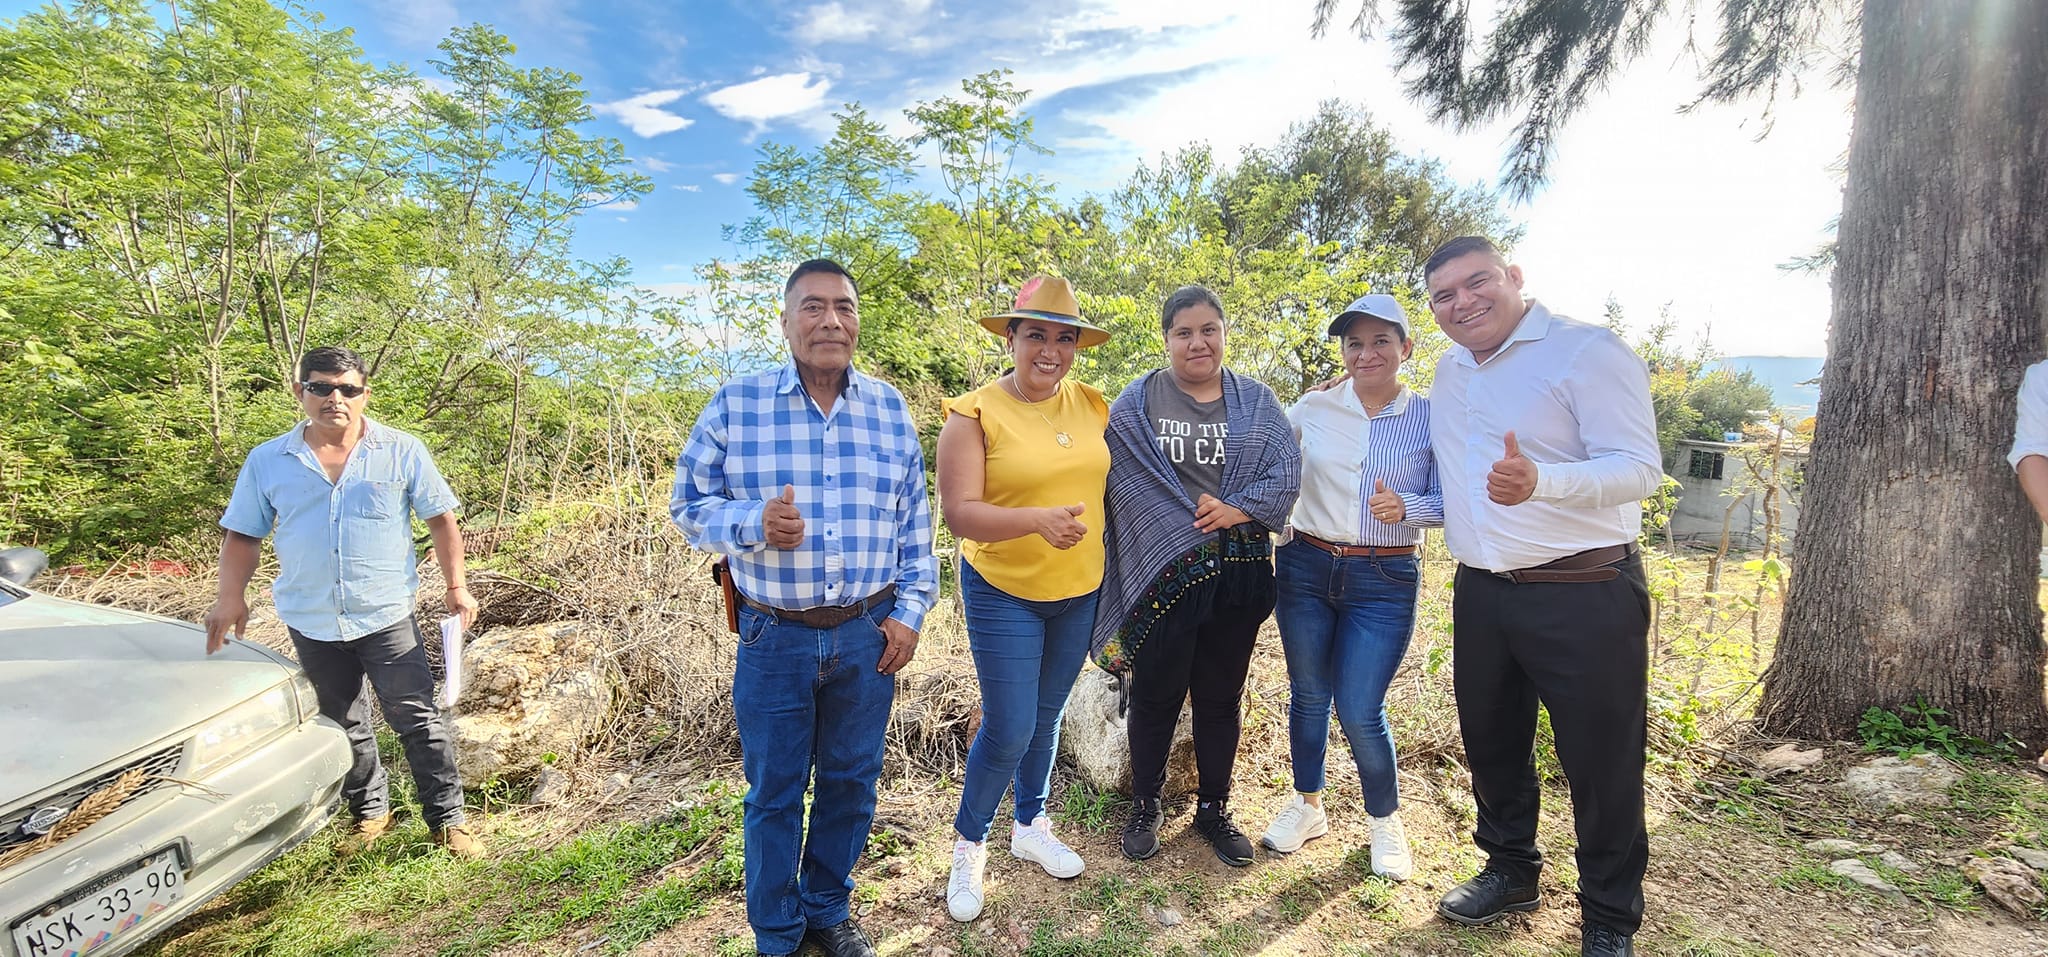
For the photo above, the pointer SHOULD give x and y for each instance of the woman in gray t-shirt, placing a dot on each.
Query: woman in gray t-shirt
(1203, 465)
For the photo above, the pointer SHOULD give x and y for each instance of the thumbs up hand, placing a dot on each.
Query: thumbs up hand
(1513, 478)
(1386, 504)
(1061, 527)
(781, 524)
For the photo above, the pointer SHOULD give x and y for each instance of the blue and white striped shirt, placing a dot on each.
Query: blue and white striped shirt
(1344, 451)
(859, 478)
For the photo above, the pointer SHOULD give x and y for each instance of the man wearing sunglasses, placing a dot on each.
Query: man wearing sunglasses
(338, 493)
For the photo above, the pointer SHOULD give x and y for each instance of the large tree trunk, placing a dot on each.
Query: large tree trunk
(1915, 568)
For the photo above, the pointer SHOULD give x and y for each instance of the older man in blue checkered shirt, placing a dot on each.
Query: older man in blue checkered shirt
(811, 479)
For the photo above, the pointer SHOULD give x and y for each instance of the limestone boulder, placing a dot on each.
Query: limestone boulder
(1920, 780)
(1092, 735)
(530, 691)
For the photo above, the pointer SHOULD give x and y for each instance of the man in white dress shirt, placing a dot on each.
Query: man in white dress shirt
(2029, 456)
(1545, 446)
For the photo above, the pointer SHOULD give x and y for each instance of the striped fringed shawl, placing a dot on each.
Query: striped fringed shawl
(1151, 518)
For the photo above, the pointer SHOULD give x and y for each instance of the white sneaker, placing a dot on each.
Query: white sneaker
(1390, 848)
(1299, 823)
(1038, 845)
(963, 889)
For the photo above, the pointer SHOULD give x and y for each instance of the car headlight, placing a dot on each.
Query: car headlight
(309, 699)
(243, 728)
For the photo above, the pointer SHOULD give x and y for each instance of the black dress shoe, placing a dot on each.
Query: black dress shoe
(843, 939)
(1487, 897)
(1600, 940)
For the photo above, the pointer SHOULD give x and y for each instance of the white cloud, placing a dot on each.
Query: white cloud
(417, 22)
(644, 115)
(624, 206)
(916, 6)
(833, 23)
(689, 187)
(726, 178)
(653, 165)
(770, 97)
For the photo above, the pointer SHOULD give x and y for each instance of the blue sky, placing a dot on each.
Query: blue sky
(1645, 205)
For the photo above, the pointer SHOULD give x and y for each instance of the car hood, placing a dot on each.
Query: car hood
(82, 685)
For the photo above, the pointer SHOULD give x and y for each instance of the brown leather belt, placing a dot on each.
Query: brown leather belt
(1591, 565)
(823, 616)
(1354, 551)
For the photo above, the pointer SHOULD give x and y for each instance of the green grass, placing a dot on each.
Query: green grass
(315, 902)
(1097, 812)
(1807, 876)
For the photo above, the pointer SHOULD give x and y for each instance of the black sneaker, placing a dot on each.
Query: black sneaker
(1232, 847)
(1489, 896)
(1141, 832)
(1599, 940)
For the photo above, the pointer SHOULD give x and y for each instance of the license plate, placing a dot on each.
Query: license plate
(88, 920)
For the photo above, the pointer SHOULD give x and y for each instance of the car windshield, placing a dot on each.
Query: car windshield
(10, 594)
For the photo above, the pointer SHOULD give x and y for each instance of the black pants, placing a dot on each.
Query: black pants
(1581, 649)
(395, 665)
(1200, 652)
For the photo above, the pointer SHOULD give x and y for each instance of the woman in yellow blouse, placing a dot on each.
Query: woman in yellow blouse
(1021, 465)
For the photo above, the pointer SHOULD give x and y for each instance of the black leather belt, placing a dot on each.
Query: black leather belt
(1591, 565)
(823, 616)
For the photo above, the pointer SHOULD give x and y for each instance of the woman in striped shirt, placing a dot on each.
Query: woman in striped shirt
(1348, 578)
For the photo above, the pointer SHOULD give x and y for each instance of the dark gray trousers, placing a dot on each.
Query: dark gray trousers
(393, 663)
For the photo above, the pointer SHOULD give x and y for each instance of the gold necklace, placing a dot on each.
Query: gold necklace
(1066, 441)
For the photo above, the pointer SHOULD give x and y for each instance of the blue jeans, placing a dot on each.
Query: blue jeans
(1026, 655)
(807, 698)
(1344, 624)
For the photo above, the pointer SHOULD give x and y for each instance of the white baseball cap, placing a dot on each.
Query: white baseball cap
(1378, 305)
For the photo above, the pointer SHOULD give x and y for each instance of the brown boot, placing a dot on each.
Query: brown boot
(460, 841)
(364, 833)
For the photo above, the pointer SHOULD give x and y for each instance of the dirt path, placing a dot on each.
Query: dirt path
(1728, 877)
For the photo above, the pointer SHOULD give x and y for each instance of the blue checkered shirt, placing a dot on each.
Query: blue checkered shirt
(859, 477)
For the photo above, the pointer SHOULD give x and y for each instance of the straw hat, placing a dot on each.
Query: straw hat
(1049, 299)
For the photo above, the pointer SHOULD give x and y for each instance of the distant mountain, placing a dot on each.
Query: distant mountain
(1783, 374)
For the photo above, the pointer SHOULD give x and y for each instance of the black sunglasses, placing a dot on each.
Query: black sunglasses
(330, 388)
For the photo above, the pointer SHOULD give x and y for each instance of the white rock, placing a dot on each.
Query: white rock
(1836, 845)
(530, 691)
(1884, 783)
(1093, 735)
(1168, 917)
(1861, 873)
(1899, 862)
(1787, 758)
(2030, 856)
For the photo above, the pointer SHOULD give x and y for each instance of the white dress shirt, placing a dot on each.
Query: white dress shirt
(1578, 401)
(1344, 451)
(2030, 434)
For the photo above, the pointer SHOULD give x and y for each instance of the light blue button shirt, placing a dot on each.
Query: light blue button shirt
(344, 549)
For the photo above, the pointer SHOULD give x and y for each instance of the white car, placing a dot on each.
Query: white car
(140, 777)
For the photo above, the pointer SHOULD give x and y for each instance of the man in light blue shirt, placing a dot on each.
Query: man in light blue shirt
(811, 478)
(337, 494)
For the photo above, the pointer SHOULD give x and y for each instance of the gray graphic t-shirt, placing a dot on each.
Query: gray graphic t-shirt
(1190, 434)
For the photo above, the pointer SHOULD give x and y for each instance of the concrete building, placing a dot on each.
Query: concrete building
(1714, 475)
